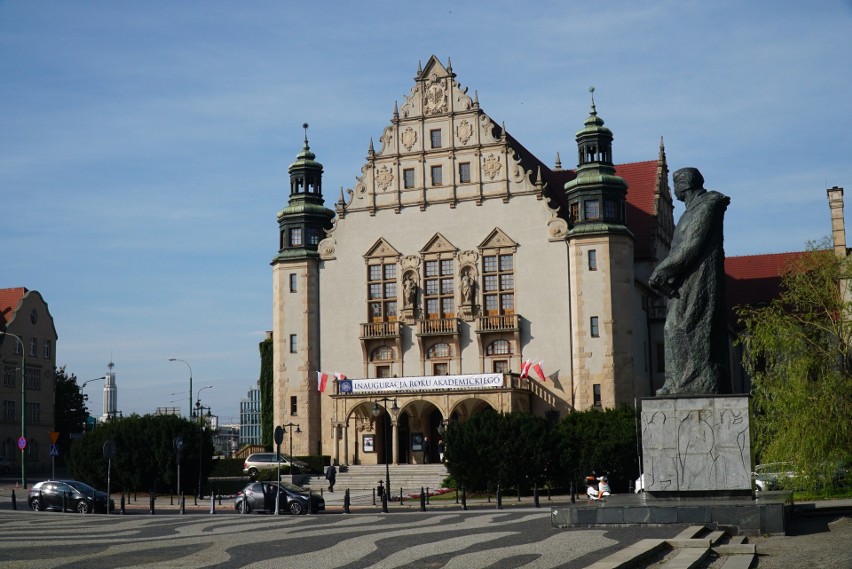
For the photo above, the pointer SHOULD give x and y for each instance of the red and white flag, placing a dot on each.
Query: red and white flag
(539, 371)
(339, 376)
(322, 381)
(525, 368)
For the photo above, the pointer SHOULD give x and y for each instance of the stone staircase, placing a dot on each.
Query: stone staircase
(409, 477)
(696, 547)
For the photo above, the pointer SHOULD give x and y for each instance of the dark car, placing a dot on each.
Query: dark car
(79, 497)
(260, 497)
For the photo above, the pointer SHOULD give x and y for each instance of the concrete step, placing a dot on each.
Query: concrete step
(687, 558)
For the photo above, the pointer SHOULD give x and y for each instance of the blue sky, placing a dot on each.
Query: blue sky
(144, 146)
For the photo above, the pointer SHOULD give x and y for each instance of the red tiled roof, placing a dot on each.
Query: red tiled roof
(756, 279)
(9, 300)
(641, 178)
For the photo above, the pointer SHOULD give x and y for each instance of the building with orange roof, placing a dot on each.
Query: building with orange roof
(28, 358)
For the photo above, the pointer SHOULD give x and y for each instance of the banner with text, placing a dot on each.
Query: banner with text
(426, 383)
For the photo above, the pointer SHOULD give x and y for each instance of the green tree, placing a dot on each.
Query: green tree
(71, 411)
(798, 352)
(145, 456)
(266, 427)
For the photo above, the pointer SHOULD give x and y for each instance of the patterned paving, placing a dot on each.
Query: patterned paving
(452, 540)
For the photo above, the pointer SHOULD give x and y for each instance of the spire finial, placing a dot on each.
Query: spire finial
(305, 126)
(558, 164)
(592, 91)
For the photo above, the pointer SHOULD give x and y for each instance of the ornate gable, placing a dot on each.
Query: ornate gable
(498, 239)
(439, 244)
(382, 249)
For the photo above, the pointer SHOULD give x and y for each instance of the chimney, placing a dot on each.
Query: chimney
(838, 226)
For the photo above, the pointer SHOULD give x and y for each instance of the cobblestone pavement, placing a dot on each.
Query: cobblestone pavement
(520, 537)
(817, 540)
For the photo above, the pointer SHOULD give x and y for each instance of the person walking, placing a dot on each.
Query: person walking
(331, 476)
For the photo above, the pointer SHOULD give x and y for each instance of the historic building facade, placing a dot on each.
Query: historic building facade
(458, 256)
(28, 359)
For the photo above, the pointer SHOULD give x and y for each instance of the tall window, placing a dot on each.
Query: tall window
(591, 210)
(33, 347)
(33, 413)
(294, 345)
(18, 346)
(381, 284)
(438, 293)
(8, 411)
(435, 137)
(293, 282)
(47, 348)
(593, 260)
(33, 377)
(437, 176)
(9, 375)
(593, 326)
(498, 284)
(313, 235)
(596, 394)
(382, 358)
(610, 209)
(574, 211)
(295, 237)
(464, 172)
(408, 178)
(294, 407)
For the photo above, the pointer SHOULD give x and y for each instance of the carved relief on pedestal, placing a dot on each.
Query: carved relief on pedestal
(408, 138)
(491, 166)
(464, 131)
(384, 178)
(435, 97)
(409, 296)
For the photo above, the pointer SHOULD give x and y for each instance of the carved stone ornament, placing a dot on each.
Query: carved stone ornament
(387, 138)
(384, 178)
(410, 262)
(491, 166)
(464, 131)
(557, 228)
(409, 138)
(435, 97)
(468, 258)
(326, 248)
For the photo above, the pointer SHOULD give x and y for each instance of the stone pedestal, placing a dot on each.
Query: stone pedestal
(696, 446)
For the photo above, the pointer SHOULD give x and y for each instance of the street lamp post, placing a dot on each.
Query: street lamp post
(377, 411)
(200, 436)
(85, 397)
(298, 430)
(23, 410)
(190, 382)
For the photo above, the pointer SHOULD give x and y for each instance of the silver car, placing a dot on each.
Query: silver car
(267, 460)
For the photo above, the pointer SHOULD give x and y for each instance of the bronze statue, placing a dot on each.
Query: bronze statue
(693, 277)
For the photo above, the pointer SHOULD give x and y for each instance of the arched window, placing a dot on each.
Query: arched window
(498, 348)
(439, 351)
(382, 354)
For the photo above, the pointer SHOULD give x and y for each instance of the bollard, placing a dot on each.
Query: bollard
(194, 499)
(40, 501)
(135, 497)
(374, 496)
(422, 500)
(573, 495)
(220, 498)
(182, 501)
(499, 498)
(535, 496)
(64, 501)
(310, 500)
(212, 503)
(400, 495)
(385, 502)
(122, 503)
(464, 498)
(14, 501)
(171, 499)
(427, 495)
(151, 503)
(457, 495)
(346, 501)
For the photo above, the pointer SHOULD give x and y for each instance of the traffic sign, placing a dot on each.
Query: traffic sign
(109, 449)
(178, 443)
(54, 450)
(54, 436)
(22, 443)
(278, 435)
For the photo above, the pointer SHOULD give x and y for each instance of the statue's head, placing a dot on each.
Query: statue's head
(687, 179)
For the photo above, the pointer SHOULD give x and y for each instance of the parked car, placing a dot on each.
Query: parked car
(79, 497)
(266, 460)
(772, 475)
(6, 465)
(260, 497)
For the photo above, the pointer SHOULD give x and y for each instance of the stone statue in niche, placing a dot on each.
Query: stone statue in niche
(409, 289)
(693, 277)
(466, 288)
